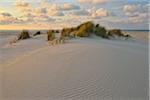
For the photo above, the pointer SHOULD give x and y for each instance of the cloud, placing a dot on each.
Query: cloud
(54, 6)
(97, 13)
(101, 12)
(130, 8)
(59, 9)
(55, 13)
(22, 4)
(43, 18)
(93, 1)
(7, 18)
(54, 10)
(44, 8)
(60, 6)
(6, 14)
(137, 19)
(81, 12)
(137, 12)
(141, 17)
(69, 6)
(39, 11)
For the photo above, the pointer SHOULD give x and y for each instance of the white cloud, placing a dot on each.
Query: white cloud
(39, 11)
(136, 13)
(5, 14)
(139, 18)
(69, 6)
(130, 8)
(7, 18)
(135, 10)
(81, 12)
(46, 12)
(43, 18)
(55, 13)
(54, 7)
(22, 4)
(60, 6)
(93, 1)
(101, 12)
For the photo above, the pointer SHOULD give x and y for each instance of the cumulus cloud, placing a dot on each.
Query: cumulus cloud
(54, 7)
(59, 9)
(43, 18)
(69, 6)
(96, 13)
(130, 8)
(93, 1)
(7, 18)
(55, 13)
(93, 13)
(81, 12)
(22, 4)
(44, 11)
(6, 14)
(39, 11)
(44, 8)
(101, 12)
(136, 13)
(139, 18)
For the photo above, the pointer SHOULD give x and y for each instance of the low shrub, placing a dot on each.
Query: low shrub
(85, 29)
(101, 31)
(37, 33)
(50, 36)
(116, 32)
(24, 35)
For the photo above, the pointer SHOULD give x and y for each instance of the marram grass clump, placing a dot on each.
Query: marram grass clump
(118, 32)
(50, 35)
(88, 28)
(85, 29)
(37, 33)
(24, 35)
(101, 31)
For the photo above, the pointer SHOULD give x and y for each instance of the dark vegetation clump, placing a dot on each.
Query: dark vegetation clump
(85, 29)
(117, 32)
(37, 33)
(88, 28)
(101, 31)
(50, 35)
(66, 32)
(56, 31)
(24, 35)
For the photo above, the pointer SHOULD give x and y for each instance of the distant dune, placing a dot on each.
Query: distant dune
(82, 69)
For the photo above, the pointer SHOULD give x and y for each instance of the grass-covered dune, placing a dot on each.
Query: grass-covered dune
(87, 29)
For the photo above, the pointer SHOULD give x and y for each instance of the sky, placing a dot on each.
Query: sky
(47, 14)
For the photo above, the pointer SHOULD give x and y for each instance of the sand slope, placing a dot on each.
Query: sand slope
(84, 69)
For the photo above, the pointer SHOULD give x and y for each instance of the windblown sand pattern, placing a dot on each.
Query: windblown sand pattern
(83, 69)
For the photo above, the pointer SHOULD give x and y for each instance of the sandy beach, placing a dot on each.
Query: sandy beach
(74, 49)
(81, 69)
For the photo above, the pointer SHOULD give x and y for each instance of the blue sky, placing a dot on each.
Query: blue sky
(124, 14)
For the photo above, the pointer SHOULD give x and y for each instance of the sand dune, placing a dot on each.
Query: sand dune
(83, 69)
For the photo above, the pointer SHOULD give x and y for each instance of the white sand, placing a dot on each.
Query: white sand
(83, 69)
